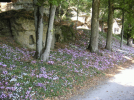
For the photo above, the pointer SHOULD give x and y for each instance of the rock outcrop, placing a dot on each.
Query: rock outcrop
(84, 19)
(20, 25)
(17, 20)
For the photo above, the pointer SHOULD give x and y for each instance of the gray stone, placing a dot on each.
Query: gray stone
(4, 27)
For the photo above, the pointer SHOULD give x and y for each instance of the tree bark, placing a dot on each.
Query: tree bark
(102, 26)
(46, 50)
(38, 15)
(122, 31)
(93, 45)
(130, 42)
(110, 25)
(77, 14)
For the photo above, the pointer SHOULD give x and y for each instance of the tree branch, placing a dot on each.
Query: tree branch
(115, 8)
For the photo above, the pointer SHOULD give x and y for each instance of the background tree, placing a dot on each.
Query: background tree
(129, 22)
(43, 52)
(103, 16)
(122, 30)
(110, 24)
(46, 50)
(93, 45)
(38, 16)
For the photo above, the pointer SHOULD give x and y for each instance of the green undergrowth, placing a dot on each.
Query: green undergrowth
(29, 79)
(34, 79)
(117, 36)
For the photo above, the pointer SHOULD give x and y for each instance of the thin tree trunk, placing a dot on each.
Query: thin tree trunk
(110, 26)
(93, 45)
(102, 25)
(60, 12)
(65, 11)
(122, 31)
(128, 37)
(130, 42)
(77, 14)
(46, 51)
(38, 15)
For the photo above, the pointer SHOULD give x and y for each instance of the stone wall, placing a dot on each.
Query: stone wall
(23, 31)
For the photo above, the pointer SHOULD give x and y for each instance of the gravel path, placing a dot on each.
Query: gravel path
(119, 87)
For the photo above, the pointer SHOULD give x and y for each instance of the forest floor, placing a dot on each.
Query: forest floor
(71, 68)
(117, 84)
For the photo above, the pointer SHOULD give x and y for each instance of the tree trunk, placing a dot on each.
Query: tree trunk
(46, 50)
(93, 45)
(38, 15)
(77, 14)
(130, 42)
(102, 26)
(110, 25)
(122, 31)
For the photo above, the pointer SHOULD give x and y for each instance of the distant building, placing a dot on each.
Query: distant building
(116, 26)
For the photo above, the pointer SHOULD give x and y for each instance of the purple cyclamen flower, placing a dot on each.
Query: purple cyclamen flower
(43, 75)
(13, 88)
(6, 83)
(2, 87)
(1, 63)
(4, 65)
(40, 85)
(51, 62)
(33, 62)
(8, 88)
(17, 84)
(5, 72)
(32, 74)
(1, 83)
(28, 92)
(55, 78)
(3, 95)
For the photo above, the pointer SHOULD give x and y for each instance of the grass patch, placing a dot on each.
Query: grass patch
(118, 37)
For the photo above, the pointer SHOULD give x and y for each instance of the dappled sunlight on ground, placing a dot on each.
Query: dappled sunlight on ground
(125, 78)
(118, 86)
(128, 58)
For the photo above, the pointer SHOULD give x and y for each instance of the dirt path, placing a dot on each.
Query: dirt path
(118, 87)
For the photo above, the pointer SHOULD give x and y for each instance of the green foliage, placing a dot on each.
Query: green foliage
(47, 2)
(119, 5)
(68, 32)
(55, 2)
(40, 2)
(83, 5)
(118, 14)
(129, 19)
(103, 10)
(129, 27)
